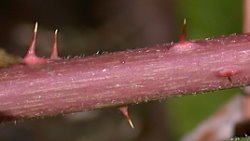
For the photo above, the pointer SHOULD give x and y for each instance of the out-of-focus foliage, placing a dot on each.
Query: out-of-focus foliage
(210, 18)
(188, 111)
(7, 59)
(205, 19)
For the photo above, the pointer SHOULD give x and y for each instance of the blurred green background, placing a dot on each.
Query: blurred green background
(90, 26)
(205, 19)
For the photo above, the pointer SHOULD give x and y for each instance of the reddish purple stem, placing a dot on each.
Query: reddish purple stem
(121, 78)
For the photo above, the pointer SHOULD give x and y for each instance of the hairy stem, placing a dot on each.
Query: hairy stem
(121, 78)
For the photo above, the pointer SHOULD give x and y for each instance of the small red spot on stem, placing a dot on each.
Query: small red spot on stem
(124, 111)
(227, 73)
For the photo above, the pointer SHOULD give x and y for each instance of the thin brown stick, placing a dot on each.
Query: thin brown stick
(221, 125)
(121, 78)
(246, 13)
(246, 29)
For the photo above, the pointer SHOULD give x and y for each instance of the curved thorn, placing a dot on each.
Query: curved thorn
(30, 57)
(183, 36)
(31, 50)
(124, 111)
(54, 53)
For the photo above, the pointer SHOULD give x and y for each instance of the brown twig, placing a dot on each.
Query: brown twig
(246, 29)
(221, 125)
(246, 14)
(121, 78)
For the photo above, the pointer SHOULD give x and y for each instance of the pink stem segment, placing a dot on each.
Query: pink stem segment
(121, 78)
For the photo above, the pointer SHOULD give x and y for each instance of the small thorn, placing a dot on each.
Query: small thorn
(124, 111)
(54, 54)
(227, 73)
(31, 58)
(183, 36)
(33, 43)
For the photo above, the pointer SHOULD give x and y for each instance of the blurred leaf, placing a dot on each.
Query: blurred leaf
(210, 18)
(204, 19)
(188, 111)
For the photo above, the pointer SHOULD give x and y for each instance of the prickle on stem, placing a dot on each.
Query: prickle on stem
(54, 53)
(31, 58)
(183, 45)
(183, 37)
(227, 73)
(124, 111)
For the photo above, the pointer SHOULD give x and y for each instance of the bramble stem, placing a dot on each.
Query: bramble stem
(121, 78)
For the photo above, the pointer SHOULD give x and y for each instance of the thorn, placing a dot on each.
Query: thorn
(227, 73)
(124, 111)
(54, 54)
(183, 36)
(31, 58)
(31, 50)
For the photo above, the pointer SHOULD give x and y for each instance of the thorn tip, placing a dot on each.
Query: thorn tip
(184, 21)
(56, 31)
(36, 27)
(131, 123)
